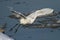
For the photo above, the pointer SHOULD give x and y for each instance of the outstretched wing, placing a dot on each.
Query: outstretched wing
(16, 15)
(42, 12)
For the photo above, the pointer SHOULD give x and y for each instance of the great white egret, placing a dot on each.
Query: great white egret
(30, 18)
(2, 35)
(5, 37)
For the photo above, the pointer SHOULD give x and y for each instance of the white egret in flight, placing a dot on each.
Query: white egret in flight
(32, 17)
(29, 19)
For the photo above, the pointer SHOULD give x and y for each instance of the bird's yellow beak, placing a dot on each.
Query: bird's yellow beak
(2, 30)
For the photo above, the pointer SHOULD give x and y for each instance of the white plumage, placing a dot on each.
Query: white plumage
(31, 18)
(5, 37)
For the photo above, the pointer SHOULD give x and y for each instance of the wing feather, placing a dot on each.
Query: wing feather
(17, 15)
(42, 12)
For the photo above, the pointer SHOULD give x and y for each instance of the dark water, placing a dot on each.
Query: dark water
(26, 6)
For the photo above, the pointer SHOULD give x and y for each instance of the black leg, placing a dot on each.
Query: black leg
(17, 28)
(13, 27)
(4, 26)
